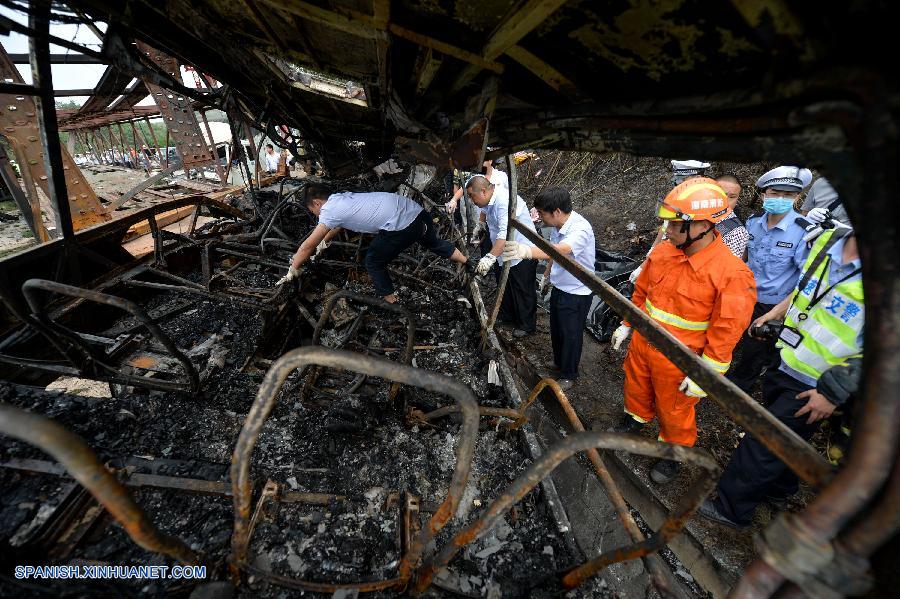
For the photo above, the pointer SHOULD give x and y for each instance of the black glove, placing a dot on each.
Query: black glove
(839, 382)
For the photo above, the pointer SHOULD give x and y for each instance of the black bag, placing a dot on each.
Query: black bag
(614, 268)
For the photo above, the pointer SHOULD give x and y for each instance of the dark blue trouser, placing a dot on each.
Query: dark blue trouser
(519, 304)
(567, 315)
(387, 245)
(754, 473)
(756, 355)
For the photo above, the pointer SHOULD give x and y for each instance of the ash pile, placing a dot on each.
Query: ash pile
(347, 469)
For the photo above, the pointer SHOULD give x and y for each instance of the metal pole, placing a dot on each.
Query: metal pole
(249, 133)
(510, 231)
(211, 146)
(39, 55)
(125, 153)
(757, 420)
(153, 135)
(82, 463)
(112, 145)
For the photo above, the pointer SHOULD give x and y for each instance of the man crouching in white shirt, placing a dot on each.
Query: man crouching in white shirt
(397, 222)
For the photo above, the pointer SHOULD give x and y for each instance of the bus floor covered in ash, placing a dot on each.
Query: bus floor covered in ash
(345, 424)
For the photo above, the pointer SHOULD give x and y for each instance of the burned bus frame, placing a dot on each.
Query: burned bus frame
(840, 120)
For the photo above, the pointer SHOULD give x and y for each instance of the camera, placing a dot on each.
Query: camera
(768, 330)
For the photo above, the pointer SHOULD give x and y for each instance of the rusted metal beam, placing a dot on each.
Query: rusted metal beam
(59, 59)
(799, 455)
(519, 22)
(365, 26)
(654, 564)
(74, 349)
(84, 466)
(543, 466)
(378, 367)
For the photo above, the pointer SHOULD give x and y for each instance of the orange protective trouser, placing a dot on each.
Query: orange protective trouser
(651, 390)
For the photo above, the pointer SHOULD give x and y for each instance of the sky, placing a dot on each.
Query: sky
(65, 76)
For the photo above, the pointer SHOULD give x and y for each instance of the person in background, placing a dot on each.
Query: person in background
(697, 290)
(816, 205)
(518, 308)
(733, 231)
(270, 160)
(775, 253)
(397, 223)
(682, 170)
(570, 299)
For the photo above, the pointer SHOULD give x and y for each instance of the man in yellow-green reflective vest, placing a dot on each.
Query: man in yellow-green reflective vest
(822, 334)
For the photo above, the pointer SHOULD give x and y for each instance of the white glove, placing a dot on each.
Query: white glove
(388, 167)
(292, 274)
(817, 215)
(485, 264)
(535, 215)
(513, 250)
(690, 388)
(635, 273)
(450, 206)
(320, 248)
(620, 335)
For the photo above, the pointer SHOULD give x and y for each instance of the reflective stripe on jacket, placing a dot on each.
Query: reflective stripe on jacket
(831, 329)
(705, 300)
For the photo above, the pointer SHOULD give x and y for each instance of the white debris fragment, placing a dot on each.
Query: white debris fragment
(292, 481)
(631, 226)
(493, 375)
(684, 574)
(548, 550)
(490, 550)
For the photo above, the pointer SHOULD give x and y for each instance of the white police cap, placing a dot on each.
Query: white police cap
(687, 168)
(785, 178)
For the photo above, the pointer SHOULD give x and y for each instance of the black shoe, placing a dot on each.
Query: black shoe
(627, 425)
(708, 510)
(663, 471)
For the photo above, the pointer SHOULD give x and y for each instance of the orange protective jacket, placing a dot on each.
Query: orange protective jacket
(705, 300)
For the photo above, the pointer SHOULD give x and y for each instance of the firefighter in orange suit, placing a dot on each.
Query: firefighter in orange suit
(696, 289)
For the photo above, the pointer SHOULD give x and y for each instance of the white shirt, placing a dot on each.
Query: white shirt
(497, 212)
(368, 212)
(579, 235)
(271, 161)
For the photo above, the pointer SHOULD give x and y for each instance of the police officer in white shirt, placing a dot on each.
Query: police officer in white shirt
(518, 308)
(570, 299)
(397, 222)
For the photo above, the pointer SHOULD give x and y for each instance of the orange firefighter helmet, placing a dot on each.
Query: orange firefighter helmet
(696, 199)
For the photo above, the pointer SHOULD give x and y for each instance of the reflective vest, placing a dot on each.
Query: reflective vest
(831, 327)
